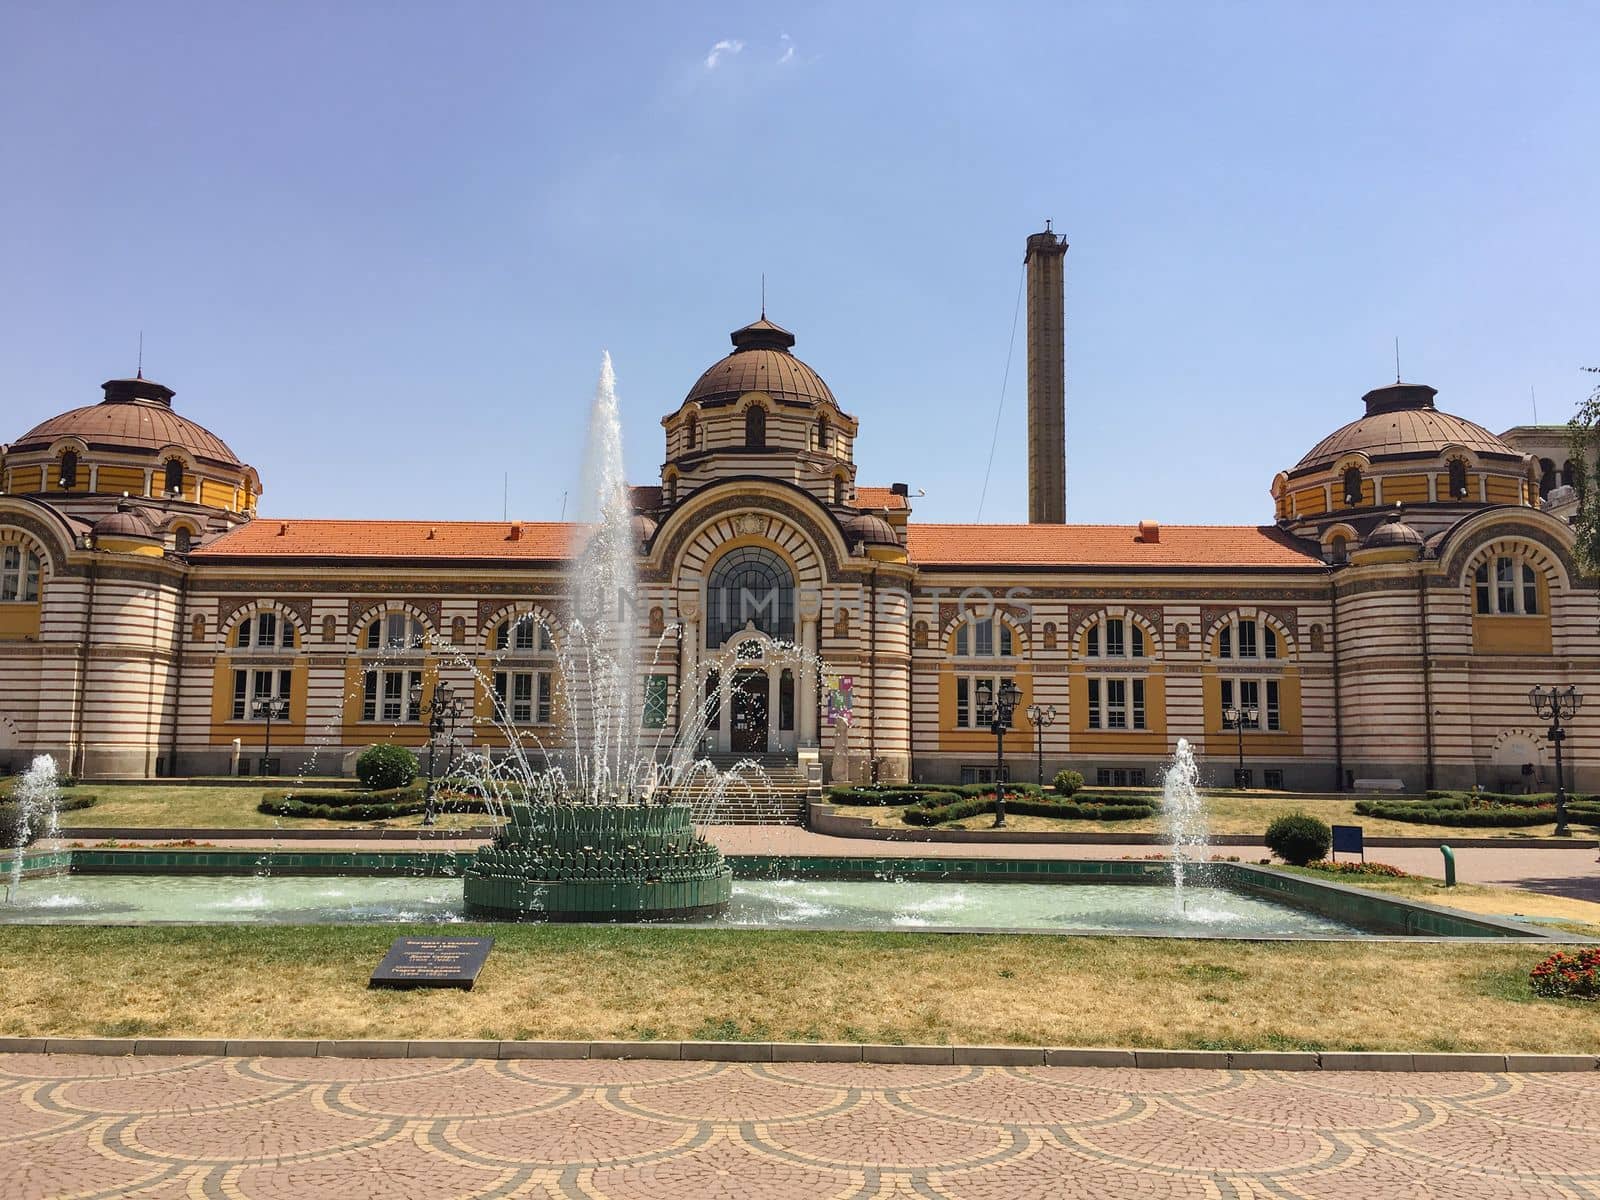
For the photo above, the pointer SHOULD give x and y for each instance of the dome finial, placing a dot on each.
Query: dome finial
(763, 295)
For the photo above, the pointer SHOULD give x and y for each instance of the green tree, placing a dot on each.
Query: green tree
(1584, 439)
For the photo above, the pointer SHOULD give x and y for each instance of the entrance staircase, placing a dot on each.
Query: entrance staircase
(779, 799)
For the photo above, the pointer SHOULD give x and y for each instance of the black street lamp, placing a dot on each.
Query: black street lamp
(1005, 703)
(1553, 705)
(1043, 716)
(442, 710)
(1238, 718)
(269, 709)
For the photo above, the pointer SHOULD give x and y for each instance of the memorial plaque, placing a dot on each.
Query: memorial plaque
(432, 962)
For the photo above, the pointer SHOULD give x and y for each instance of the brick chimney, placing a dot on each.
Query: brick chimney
(1047, 383)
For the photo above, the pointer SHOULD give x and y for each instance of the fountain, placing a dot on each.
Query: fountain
(1185, 811)
(611, 839)
(38, 799)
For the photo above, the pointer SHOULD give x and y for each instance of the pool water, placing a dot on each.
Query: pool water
(761, 904)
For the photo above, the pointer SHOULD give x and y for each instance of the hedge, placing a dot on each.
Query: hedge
(11, 817)
(1466, 813)
(884, 796)
(1530, 800)
(368, 806)
(1036, 805)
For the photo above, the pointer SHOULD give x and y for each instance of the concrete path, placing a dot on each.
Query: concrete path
(419, 1129)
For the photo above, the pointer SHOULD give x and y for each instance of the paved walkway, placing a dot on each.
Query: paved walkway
(254, 1129)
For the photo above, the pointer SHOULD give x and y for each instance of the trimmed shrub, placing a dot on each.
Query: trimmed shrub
(1575, 976)
(1028, 805)
(1299, 839)
(368, 806)
(386, 766)
(1068, 783)
(11, 817)
(882, 796)
(1470, 813)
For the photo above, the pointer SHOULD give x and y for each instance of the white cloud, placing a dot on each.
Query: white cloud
(788, 48)
(726, 46)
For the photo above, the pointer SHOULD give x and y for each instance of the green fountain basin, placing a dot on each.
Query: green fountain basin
(608, 862)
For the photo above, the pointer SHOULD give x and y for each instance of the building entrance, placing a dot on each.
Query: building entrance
(750, 708)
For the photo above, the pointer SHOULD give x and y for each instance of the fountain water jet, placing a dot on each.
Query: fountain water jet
(38, 800)
(1184, 809)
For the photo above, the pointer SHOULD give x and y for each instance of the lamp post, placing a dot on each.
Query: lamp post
(1237, 719)
(442, 709)
(268, 708)
(1043, 716)
(1005, 703)
(1554, 705)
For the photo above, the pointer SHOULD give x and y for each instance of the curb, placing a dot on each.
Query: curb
(782, 1052)
(358, 833)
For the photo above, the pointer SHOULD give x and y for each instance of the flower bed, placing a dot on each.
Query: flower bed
(1359, 868)
(1574, 975)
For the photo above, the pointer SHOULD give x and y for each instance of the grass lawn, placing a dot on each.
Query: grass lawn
(150, 805)
(1229, 812)
(625, 983)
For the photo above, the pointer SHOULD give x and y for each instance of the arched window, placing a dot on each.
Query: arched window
(1352, 486)
(19, 574)
(1246, 637)
(525, 633)
(173, 484)
(182, 541)
(749, 584)
(1458, 479)
(691, 430)
(264, 630)
(1114, 637)
(669, 491)
(822, 434)
(394, 631)
(1339, 549)
(838, 492)
(1547, 477)
(985, 637)
(1049, 635)
(1506, 585)
(755, 428)
(68, 478)
(1566, 473)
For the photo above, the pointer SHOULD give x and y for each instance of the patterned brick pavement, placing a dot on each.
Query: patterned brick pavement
(419, 1129)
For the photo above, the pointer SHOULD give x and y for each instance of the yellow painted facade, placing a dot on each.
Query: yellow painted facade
(1405, 489)
(1496, 634)
(19, 622)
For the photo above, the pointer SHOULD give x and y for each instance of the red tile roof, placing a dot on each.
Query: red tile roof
(1106, 546)
(356, 540)
(974, 546)
(879, 497)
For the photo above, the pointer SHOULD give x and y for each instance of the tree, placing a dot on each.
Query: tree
(1584, 442)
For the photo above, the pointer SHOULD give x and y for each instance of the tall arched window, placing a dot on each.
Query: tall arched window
(1547, 477)
(750, 584)
(691, 430)
(173, 485)
(69, 470)
(755, 428)
(1566, 473)
(182, 541)
(1339, 549)
(1352, 486)
(1458, 479)
(823, 432)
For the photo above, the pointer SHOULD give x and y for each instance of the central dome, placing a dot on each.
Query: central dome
(1401, 420)
(760, 362)
(136, 417)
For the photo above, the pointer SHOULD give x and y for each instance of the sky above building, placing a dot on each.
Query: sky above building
(380, 248)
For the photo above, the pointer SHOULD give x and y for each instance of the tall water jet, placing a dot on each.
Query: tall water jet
(38, 801)
(1184, 810)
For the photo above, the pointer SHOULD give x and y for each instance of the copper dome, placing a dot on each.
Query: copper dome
(760, 362)
(125, 522)
(1393, 532)
(1401, 419)
(135, 416)
(870, 529)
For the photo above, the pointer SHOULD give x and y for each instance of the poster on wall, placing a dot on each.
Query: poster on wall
(840, 698)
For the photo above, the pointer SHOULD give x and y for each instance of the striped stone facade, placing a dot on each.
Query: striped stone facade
(1375, 643)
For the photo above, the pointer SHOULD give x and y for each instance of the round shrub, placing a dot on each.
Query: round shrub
(1299, 839)
(1068, 782)
(385, 767)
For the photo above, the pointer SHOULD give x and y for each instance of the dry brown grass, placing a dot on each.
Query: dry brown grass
(671, 983)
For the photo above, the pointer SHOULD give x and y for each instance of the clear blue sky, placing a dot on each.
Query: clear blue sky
(379, 248)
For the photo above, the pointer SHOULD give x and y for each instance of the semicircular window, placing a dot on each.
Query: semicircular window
(750, 585)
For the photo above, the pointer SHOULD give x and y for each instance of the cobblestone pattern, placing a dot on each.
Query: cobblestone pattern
(418, 1129)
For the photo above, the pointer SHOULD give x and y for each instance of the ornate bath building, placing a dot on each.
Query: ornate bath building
(1415, 580)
